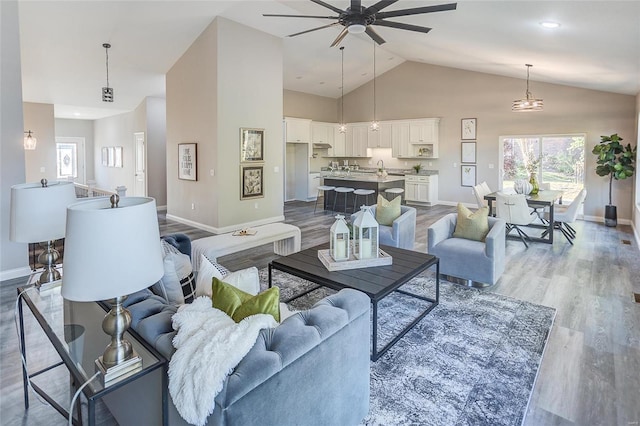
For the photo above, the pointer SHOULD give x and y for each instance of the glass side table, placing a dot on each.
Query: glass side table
(75, 331)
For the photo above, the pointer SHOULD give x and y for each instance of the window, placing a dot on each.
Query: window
(67, 160)
(560, 159)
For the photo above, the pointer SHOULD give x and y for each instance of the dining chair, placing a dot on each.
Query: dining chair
(514, 210)
(542, 211)
(564, 216)
(480, 190)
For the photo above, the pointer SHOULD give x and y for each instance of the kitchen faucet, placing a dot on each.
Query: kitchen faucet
(378, 163)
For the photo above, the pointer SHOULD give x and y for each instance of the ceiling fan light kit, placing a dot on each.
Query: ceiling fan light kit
(358, 19)
(529, 103)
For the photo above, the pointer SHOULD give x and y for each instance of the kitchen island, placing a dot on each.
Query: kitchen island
(359, 181)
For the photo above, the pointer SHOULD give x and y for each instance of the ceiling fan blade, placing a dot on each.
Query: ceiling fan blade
(341, 36)
(356, 5)
(374, 35)
(416, 11)
(300, 16)
(378, 6)
(328, 6)
(402, 26)
(314, 29)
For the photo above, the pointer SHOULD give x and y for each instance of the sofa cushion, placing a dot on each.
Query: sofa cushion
(472, 225)
(239, 304)
(387, 211)
(208, 270)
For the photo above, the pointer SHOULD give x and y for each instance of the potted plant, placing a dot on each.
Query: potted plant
(616, 161)
(417, 167)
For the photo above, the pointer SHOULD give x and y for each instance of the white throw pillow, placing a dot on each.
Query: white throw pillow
(177, 286)
(246, 280)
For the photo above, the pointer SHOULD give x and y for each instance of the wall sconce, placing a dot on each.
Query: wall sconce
(30, 141)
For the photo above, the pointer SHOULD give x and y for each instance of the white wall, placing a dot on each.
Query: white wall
(213, 90)
(81, 129)
(41, 162)
(157, 149)
(13, 256)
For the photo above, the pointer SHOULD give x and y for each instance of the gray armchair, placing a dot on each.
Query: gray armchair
(402, 233)
(476, 263)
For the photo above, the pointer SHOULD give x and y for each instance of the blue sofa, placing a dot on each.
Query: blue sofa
(313, 369)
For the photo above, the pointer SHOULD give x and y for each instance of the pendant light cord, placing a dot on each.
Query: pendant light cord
(106, 49)
(374, 81)
(342, 90)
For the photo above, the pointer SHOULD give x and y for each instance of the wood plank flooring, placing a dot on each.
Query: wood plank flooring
(590, 373)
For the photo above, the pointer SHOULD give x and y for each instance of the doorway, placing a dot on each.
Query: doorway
(70, 159)
(140, 161)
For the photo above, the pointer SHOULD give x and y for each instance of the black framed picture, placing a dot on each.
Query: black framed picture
(188, 161)
(252, 182)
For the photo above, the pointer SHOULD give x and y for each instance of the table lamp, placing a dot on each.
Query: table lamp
(38, 215)
(112, 249)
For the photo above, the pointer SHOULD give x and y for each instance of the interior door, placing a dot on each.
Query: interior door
(140, 177)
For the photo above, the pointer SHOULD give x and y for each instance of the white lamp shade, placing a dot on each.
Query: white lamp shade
(111, 252)
(39, 213)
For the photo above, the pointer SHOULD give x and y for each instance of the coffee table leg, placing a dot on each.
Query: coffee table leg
(374, 351)
(437, 281)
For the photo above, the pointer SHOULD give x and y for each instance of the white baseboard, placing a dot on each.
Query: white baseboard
(161, 208)
(600, 219)
(15, 273)
(455, 204)
(225, 229)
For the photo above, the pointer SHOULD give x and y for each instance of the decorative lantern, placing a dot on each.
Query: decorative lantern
(365, 235)
(339, 240)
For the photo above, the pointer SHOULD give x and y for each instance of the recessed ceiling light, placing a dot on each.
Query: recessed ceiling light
(76, 114)
(550, 24)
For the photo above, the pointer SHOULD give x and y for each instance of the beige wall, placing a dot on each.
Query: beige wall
(83, 129)
(13, 256)
(303, 105)
(414, 90)
(41, 162)
(156, 135)
(213, 90)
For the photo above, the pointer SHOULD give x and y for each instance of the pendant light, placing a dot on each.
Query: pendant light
(374, 124)
(343, 127)
(528, 104)
(107, 92)
(30, 141)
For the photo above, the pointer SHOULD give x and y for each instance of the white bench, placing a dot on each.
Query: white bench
(285, 238)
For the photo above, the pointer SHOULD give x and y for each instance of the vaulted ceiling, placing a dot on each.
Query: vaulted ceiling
(597, 45)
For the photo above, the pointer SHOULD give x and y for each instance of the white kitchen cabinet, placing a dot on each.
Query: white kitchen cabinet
(420, 189)
(297, 130)
(380, 138)
(339, 144)
(424, 131)
(400, 139)
(323, 133)
(356, 141)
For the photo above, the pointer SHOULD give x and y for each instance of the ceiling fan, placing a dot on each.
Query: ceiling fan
(358, 19)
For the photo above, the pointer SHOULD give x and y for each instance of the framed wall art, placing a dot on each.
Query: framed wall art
(251, 145)
(468, 175)
(468, 152)
(111, 150)
(252, 182)
(105, 156)
(117, 160)
(468, 129)
(188, 161)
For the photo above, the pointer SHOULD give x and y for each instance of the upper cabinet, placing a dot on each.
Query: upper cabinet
(424, 131)
(297, 130)
(380, 138)
(357, 139)
(339, 144)
(416, 138)
(322, 133)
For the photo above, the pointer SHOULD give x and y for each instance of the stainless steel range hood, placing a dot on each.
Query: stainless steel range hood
(322, 145)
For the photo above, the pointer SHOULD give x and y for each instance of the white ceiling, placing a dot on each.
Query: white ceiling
(63, 62)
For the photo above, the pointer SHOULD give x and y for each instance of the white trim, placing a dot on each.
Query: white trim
(10, 274)
(633, 225)
(600, 219)
(455, 204)
(225, 229)
(161, 208)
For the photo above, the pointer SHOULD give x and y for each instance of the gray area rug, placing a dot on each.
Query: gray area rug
(472, 360)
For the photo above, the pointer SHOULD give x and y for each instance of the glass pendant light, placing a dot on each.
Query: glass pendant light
(529, 103)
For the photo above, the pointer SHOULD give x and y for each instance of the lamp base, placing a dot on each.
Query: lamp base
(119, 371)
(48, 258)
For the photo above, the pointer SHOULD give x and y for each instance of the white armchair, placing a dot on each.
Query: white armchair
(402, 233)
(513, 208)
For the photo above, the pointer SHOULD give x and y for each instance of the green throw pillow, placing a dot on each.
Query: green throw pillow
(388, 211)
(239, 304)
(472, 225)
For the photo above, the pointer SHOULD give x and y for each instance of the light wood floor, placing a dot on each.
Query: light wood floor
(590, 374)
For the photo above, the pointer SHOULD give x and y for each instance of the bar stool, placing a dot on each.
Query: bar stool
(365, 192)
(342, 190)
(392, 191)
(323, 189)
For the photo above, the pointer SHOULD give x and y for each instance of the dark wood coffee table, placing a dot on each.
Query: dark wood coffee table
(376, 282)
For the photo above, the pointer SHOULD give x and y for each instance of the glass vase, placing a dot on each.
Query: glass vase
(533, 180)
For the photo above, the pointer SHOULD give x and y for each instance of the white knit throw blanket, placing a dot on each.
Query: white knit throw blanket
(209, 345)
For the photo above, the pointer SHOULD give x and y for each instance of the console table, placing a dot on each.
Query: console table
(74, 329)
